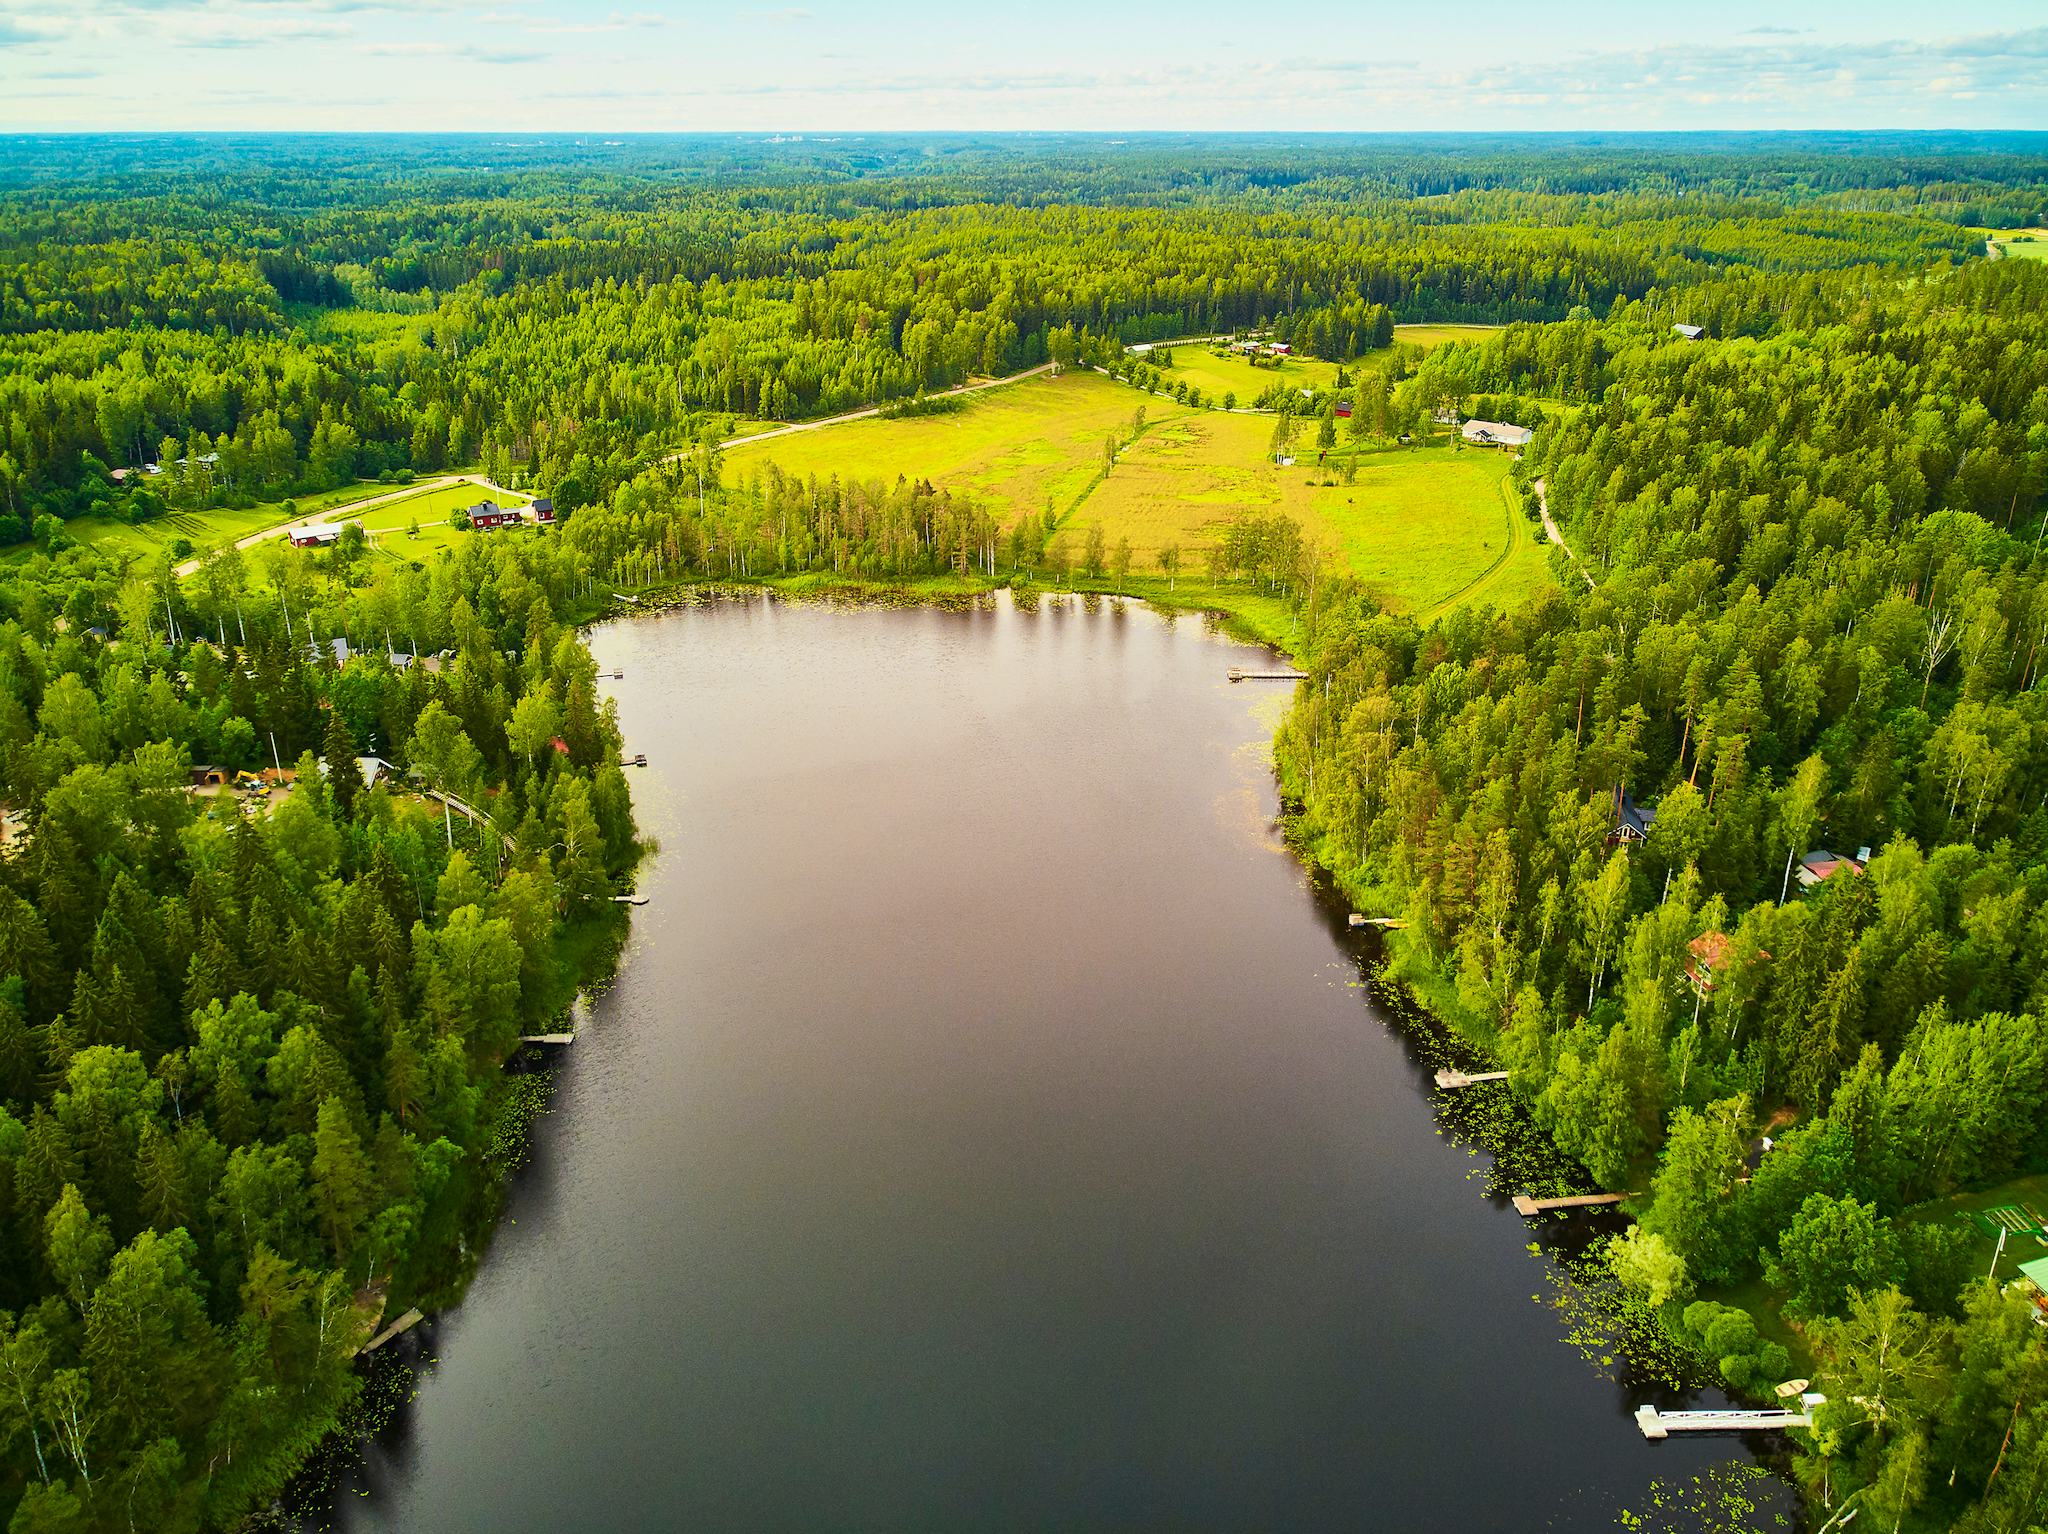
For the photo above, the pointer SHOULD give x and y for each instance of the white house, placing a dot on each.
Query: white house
(1496, 434)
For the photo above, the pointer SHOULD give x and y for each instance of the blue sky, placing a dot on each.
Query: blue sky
(651, 65)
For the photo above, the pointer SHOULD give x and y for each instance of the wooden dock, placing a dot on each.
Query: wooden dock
(1658, 1425)
(547, 1038)
(1390, 923)
(1527, 1205)
(1452, 1080)
(1238, 675)
(629, 899)
(404, 1323)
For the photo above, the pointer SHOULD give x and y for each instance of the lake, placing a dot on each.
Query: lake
(988, 1130)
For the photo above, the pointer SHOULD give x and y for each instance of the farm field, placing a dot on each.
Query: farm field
(1022, 447)
(2020, 244)
(1418, 527)
(1437, 335)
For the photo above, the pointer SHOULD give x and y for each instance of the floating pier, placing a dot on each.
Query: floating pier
(1527, 1205)
(621, 596)
(547, 1038)
(637, 759)
(1389, 923)
(1657, 1425)
(1451, 1080)
(1238, 675)
(629, 899)
(404, 1323)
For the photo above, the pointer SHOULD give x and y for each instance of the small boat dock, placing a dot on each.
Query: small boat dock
(1452, 1080)
(1527, 1205)
(547, 1038)
(1657, 1425)
(1237, 674)
(404, 1323)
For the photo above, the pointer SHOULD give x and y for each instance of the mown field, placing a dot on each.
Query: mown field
(1217, 376)
(204, 530)
(1419, 525)
(1217, 371)
(1023, 447)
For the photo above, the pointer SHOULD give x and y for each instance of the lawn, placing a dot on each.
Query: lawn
(1217, 373)
(1021, 447)
(2019, 1199)
(429, 506)
(204, 530)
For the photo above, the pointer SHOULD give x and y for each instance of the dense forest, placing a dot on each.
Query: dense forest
(251, 1044)
(250, 1081)
(1816, 625)
(316, 315)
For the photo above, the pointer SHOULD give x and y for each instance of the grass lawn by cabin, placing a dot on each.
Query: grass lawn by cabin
(204, 530)
(2019, 1206)
(1019, 447)
(430, 506)
(1199, 365)
(1216, 370)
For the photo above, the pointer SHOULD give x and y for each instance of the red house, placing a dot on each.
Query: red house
(543, 511)
(489, 514)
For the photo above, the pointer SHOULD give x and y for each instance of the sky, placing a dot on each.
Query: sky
(564, 66)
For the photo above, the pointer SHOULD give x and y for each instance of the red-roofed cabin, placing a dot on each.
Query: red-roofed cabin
(1821, 864)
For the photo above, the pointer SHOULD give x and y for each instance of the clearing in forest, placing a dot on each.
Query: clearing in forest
(1021, 447)
(1217, 371)
(1419, 526)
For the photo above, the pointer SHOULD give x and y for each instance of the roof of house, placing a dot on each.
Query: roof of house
(1820, 863)
(2036, 1272)
(1504, 432)
(1690, 332)
(1630, 816)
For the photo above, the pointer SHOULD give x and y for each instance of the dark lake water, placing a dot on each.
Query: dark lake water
(988, 1131)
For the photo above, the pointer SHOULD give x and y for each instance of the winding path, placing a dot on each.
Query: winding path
(1556, 537)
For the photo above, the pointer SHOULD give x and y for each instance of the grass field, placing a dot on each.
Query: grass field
(1216, 376)
(1419, 526)
(1020, 447)
(204, 530)
(2020, 244)
(1436, 335)
(430, 506)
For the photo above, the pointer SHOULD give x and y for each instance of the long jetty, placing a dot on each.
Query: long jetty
(1527, 1205)
(1451, 1080)
(1237, 674)
(1662, 1424)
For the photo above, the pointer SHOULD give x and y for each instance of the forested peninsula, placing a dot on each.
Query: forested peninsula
(1727, 837)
